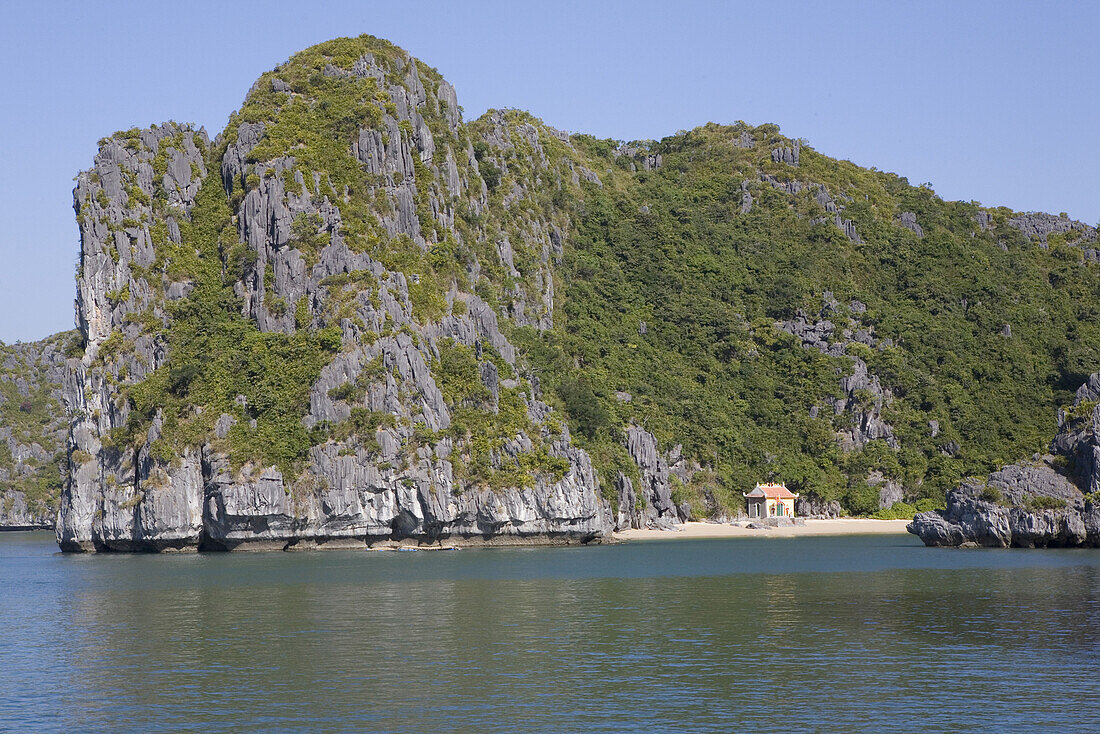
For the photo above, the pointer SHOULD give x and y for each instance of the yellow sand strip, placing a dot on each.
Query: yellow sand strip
(843, 526)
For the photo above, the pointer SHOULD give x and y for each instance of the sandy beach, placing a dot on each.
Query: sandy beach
(843, 526)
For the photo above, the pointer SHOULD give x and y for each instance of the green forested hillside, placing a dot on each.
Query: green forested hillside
(670, 249)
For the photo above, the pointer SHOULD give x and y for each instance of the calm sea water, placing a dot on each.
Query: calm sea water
(818, 634)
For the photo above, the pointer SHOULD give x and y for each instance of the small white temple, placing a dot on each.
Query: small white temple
(770, 500)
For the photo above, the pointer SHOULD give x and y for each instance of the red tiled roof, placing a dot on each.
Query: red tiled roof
(772, 491)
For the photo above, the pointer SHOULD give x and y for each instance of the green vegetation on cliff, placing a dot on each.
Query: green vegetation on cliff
(222, 363)
(32, 423)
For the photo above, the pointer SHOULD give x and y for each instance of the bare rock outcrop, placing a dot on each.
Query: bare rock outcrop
(658, 509)
(909, 221)
(1019, 506)
(819, 193)
(1040, 225)
(863, 396)
(787, 155)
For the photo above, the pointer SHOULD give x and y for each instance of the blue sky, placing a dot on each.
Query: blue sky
(989, 101)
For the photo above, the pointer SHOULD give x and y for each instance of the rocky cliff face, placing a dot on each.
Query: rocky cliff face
(420, 423)
(33, 426)
(1051, 502)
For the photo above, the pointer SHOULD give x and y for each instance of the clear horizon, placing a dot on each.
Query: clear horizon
(992, 102)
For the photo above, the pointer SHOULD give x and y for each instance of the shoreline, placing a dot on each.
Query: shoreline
(337, 543)
(695, 530)
(700, 530)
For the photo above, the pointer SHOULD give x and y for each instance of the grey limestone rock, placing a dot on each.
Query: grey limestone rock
(1040, 225)
(1089, 391)
(909, 221)
(389, 486)
(889, 491)
(791, 187)
(113, 194)
(656, 487)
(1004, 512)
(628, 514)
(16, 514)
(807, 506)
(863, 395)
(490, 377)
(746, 198)
(364, 503)
(821, 195)
(179, 291)
(224, 423)
(868, 424)
(233, 162)
(1078, 438)
(787, 155)
(848, 227)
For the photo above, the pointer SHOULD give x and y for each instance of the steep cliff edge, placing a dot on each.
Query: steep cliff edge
(1054, 501)
(283, 342)
(355, 317)
(33, 427)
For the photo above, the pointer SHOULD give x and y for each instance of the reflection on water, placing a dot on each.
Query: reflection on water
(826, 634)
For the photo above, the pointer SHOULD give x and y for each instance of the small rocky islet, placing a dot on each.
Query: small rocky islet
(1052, 501)
(355, 318)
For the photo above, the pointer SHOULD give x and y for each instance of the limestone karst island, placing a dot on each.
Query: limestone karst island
(379, 413)
(353, 318)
